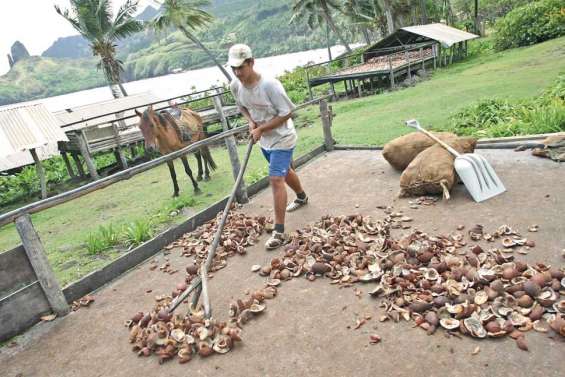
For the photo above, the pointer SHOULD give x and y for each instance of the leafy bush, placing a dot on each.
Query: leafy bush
(138, 232)
(529, 24)
(500, 118)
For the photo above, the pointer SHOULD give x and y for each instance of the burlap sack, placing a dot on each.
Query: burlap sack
(432, 171)
(402, 150)
(554, 148)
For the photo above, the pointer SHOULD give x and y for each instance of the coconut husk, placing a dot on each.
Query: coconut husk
(432, 171)
(402, 150)
(554, 148)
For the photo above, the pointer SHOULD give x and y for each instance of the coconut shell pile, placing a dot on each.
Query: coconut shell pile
(435, 281)
(167, 335)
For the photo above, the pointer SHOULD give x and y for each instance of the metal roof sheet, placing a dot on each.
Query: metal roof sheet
(444, 34)
(26, 127)
(110, 106)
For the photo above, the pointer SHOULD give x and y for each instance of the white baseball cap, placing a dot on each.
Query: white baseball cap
(238, 54)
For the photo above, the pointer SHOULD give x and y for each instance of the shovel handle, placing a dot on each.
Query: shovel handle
(415, 124)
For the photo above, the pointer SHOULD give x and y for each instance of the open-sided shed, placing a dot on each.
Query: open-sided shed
(30, 129)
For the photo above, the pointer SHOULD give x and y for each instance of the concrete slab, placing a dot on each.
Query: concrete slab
(308, 328)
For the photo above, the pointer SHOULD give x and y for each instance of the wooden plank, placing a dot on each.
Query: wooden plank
(241, 194)
(21, 310)
(40, 173)
(36, 255)
(15, 271)
(347, 147)
(326, 124)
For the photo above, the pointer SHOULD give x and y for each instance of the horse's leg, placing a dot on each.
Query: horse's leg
(173, 177)
(189, 173)
(198, 156)
(206, 156)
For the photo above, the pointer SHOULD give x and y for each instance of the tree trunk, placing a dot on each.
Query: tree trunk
(366, 35)
(199, 44)
(327, 16)
(328, 42)
(424, 12)
(385, 6)
(477, 26)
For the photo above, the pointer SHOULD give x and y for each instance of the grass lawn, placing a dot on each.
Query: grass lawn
(517, 73)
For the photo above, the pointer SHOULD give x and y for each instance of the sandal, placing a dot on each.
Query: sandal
(277, 240)
(296, 204)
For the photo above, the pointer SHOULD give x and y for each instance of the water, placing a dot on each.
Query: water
(182, 83)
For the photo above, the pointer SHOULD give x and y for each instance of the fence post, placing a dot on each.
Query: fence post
(422, 59)
(68, 165)
(38, 260)
(241, 194)
(85, 151)
(118, 152)
(407, 56)
(78, 163)
(326, 124)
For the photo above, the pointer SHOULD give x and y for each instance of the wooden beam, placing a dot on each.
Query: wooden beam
(241, 194)
(326, 124)
(85, 151)
(68, 165)
(40, 173)
(391, 72)
(118, 152)
(36, 255)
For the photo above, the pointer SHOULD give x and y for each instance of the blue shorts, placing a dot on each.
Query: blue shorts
(279, 161)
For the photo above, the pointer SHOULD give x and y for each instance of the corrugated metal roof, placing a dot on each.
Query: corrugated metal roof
(444, 34)
(115, 105)
(27, 127)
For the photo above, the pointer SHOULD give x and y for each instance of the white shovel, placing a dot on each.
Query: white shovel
(477, 174)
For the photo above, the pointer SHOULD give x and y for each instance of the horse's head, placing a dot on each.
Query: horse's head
(148, 124)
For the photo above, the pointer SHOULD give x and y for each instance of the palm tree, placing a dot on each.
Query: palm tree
(187, 15)
(94, 20)
(315, 11)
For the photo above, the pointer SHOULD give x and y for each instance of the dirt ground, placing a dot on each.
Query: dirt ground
(308, 328)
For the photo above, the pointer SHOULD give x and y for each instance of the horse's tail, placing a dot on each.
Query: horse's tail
(208, 157)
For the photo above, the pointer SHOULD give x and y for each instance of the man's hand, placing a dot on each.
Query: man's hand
(256, 134)
(252, 126)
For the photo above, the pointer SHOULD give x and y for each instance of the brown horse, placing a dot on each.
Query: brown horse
(163, 133)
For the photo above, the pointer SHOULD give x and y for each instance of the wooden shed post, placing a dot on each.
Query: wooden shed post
(68, 165)
(38, 260)
(407, 57)
(422, 59)
(85, 151)
(434, 53)
(78, 163)
(391, 72)
(326, 124)
(241, 194)
(40, 173)
(118, 152)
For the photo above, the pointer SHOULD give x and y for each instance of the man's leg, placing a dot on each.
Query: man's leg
(293, 181)
(279, 198)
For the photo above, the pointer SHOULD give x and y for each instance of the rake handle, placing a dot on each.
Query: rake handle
(415, 124)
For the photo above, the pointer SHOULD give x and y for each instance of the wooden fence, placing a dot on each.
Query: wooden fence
(28, 287)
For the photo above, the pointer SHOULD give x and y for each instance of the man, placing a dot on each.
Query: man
(267, 108)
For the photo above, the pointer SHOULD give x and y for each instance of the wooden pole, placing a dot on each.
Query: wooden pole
(308, 83)
(118, 152)
(391, 72)
(241, 194)
(68, 165)
(326, 124)
(38, 260)
(422, 59)
(40, 172)
(78, 163)
(85, 151)
(407, 56)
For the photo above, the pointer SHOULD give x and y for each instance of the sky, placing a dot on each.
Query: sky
(36, 24)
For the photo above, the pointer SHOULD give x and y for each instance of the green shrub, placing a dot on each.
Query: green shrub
(529, 24)
(500, 118)
(138, 232)
(95, 244)
(109, 234)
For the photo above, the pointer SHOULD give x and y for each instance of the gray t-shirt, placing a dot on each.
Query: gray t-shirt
(264, 101)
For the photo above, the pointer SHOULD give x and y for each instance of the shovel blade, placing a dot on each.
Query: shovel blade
(478, 176)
